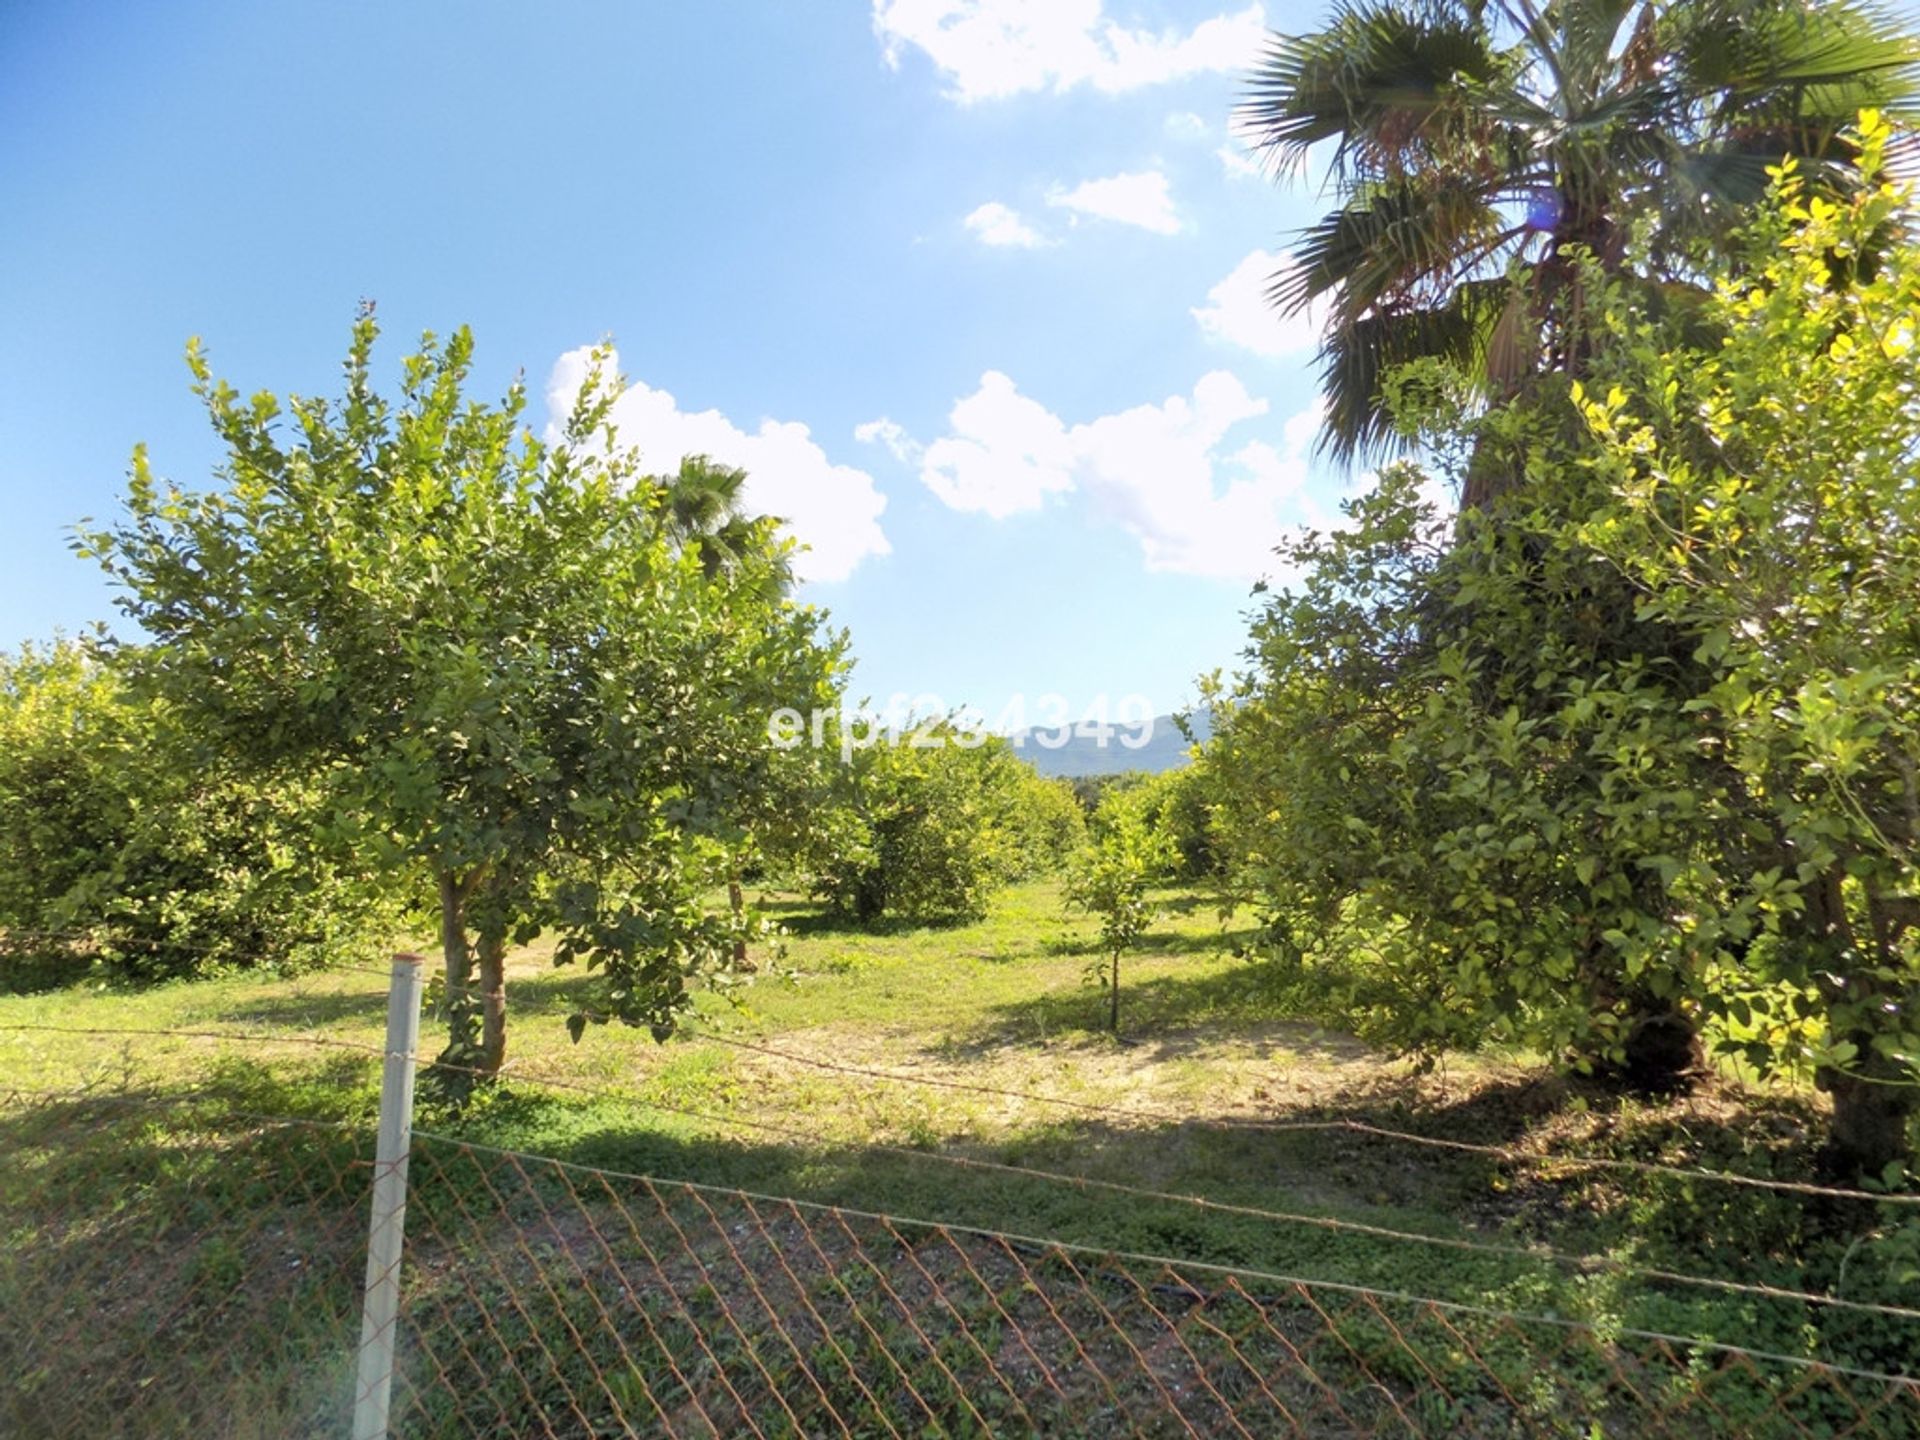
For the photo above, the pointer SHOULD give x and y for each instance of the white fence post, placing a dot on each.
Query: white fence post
(380, 1315)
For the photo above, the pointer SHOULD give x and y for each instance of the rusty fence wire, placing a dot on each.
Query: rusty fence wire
(556, 1299)
(177, 1265)
(192, 1264)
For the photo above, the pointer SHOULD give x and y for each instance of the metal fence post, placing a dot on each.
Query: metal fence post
(380, 1315)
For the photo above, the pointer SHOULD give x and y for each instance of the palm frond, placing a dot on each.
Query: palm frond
(1460, 129)
(1572, 42)
(1356, 359)
(1589, 32)
(1393, 242)
(1376, 81)
(1779, 53)
(1730, 175)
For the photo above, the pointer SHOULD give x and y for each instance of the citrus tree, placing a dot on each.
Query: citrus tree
(932, 820)
(1048, 822)
(120, 845)
(1626, 757)
(1459, 754)
(1127, 854)
(1766, 498)
(1180, 803)
(513, 678)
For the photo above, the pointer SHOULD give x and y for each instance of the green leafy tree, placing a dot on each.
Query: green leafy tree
(1112, 879)
(1767, 500)
(1470, 144)
(1454, 754)
(120, 844)
(934, 822)
(1180, 804)
(1049, 826)
(1629, 754)
(510, 672)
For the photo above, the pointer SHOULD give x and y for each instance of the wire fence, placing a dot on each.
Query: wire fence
(651, 1306)
(196, 1262)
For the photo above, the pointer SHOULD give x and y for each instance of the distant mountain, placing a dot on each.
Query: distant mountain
(1070, 755)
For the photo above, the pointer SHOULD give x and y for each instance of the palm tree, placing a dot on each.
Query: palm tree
(1471, 141)
(701, 507)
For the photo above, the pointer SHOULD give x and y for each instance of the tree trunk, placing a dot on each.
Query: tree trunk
(870, 896)
(493, 1001)
(476, 1005)
(458, 1006)
(1113, 998)
(1870, 1115)
(1873, 1097)
(1662, 1051)
(736, 898)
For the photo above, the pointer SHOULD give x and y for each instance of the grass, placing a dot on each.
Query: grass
(165, 1214)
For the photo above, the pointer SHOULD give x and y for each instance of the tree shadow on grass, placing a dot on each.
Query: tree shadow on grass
(304, 1011)
(1165, 1011)
(1185, 901)
(559, 990)
(195, 1162)
(1156, 942)
(106, 1147)
(804, 921)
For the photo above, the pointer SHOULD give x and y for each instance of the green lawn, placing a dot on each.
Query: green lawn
(1003, 1005)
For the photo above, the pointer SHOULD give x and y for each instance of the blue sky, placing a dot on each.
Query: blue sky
(970, 286)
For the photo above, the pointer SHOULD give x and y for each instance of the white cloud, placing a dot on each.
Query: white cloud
(1001, 225)
(1303, 427)
(834, 510)
(1005, 454)
(990, 49)
(1136, 198)
(1238, 311)
(1239, 162)
(1162, 472)
(883, 431)
(1185, 125)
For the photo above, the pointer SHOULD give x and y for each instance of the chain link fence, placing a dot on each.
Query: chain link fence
(181, 1265)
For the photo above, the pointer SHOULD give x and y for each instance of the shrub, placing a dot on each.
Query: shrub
(933, 828)
(120, 845)
(1179, 805)
(1049, 826)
